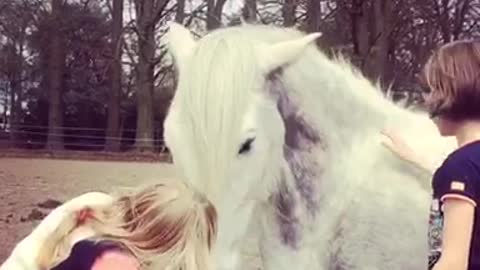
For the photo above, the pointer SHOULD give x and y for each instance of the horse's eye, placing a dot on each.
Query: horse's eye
(246, 146)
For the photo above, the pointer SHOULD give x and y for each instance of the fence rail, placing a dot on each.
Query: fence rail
(35, 137)
(83, 136)
(85, 155)
(64, 128)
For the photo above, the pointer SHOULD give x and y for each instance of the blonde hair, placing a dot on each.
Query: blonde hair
(165, 225)
(452, 74)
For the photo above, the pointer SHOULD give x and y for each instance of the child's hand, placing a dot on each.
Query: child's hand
(398, 146)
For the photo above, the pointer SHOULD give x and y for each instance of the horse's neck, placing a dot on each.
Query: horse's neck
(344, 105)
(347, 111)
(233, 225)
(335, 98)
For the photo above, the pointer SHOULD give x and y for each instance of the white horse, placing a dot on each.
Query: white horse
(278, 134)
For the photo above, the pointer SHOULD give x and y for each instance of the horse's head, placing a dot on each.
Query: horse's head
(224, 128)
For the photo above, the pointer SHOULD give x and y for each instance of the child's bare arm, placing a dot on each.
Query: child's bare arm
(398, 146)
(457, 231)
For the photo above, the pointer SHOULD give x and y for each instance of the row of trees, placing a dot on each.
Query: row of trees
(94, 73)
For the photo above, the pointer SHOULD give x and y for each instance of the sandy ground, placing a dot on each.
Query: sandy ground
(24, 183)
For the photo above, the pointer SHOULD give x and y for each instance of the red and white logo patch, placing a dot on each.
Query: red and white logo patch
(455, 185)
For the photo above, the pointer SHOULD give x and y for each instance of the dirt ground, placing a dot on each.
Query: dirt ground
(30, 187)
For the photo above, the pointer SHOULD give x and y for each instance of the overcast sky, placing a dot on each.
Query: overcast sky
(231, 6)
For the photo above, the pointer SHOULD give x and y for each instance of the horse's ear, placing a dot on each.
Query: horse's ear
(273, 56)
(180, 42)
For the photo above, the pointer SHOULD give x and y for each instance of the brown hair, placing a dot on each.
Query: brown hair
(453, 76)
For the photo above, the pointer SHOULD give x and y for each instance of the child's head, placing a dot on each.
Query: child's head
(163, 224)
(453, 76)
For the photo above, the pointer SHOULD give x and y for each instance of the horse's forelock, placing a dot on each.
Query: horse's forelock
(213, 98)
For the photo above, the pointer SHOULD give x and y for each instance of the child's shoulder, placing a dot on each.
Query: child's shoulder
(459, 174)
(464, 161)
(469, 153)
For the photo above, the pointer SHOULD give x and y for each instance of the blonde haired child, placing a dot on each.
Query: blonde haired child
(165, 226)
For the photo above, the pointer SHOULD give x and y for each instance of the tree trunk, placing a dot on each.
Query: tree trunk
(146, 46)
(113, 121)
(55, 78)
(360, 33)
(383, 14)
(313, 16)
(288, 12)
(5, 119)
(14, 73)
(180, 15)
(249, 11)
(13, 123)
(148, 13)
(214, 13)
(16, 105)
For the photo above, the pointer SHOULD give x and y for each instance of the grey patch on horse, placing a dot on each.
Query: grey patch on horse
(299, 138)
(304, 176)
(297, 128)
(301, 131)
(285, 203)
(298, 133)
(338, 266)
(335, 250)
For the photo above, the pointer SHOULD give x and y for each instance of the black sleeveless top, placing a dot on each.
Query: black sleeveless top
(84, 254)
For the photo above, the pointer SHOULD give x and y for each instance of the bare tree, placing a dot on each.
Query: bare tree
(15, 81)
(288, 12)
(249, 10)
(383, 10)
(148, 13)
(214, 13)
(359, 14)
(180, 12)
(15, 18)
(113, 120)
(313, 16)
(56, 62)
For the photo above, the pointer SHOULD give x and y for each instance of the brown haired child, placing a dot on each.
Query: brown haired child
(453, 76)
